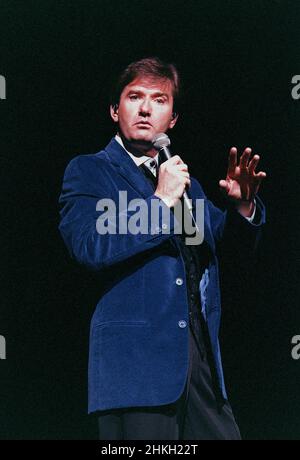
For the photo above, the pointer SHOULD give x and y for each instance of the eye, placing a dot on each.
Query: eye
(160, 100)
(133, 97)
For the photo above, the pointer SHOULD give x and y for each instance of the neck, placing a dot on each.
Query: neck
(139, 148)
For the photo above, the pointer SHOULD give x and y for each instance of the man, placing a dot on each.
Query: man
(154, 367)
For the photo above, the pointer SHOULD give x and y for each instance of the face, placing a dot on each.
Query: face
(145, 109)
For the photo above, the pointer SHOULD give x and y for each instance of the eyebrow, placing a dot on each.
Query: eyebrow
(156, 94)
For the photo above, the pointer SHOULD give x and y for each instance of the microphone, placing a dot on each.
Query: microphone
(161, 143)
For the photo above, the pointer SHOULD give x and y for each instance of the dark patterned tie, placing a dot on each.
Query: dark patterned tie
(150, 169)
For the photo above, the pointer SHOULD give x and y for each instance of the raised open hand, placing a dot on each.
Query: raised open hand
(242, 182)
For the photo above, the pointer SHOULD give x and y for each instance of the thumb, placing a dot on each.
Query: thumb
(224, 185)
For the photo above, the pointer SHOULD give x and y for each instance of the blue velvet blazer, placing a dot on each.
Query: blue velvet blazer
(139, 330)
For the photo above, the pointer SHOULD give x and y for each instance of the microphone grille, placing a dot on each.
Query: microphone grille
(160, 140)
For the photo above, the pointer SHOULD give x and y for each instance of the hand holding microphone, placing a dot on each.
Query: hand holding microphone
(172, 180)
(173, 174)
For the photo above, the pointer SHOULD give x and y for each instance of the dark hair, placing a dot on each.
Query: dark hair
(151, 67)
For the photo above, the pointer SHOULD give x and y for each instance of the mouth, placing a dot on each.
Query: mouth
(143, 124)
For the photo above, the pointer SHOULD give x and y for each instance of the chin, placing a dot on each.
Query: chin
(143, 137)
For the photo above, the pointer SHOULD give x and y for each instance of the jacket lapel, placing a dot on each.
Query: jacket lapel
(127, 168)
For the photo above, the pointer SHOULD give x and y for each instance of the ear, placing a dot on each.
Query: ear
(114, 112)
(173, 120)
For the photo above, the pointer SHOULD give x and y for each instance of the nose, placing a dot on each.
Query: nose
(145, 107)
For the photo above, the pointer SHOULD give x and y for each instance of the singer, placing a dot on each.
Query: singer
(155, 368)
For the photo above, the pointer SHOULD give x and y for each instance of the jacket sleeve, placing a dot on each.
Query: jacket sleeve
(230, 225)
(91, 217)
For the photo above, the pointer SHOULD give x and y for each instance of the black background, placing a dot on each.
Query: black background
(237, 60)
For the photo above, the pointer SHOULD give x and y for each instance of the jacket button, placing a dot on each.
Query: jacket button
(164, 226)
(179, 281)
(182, 324)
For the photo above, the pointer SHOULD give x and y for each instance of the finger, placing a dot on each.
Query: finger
(245, 157)
(253, 163)
(184, 174)
(182, 167)
(260, 176)
(187, 182)
(258, 180)
(175, 160)
(232, 160)
(224, 185)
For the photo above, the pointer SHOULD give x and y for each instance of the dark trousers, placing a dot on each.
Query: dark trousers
(197, 415)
